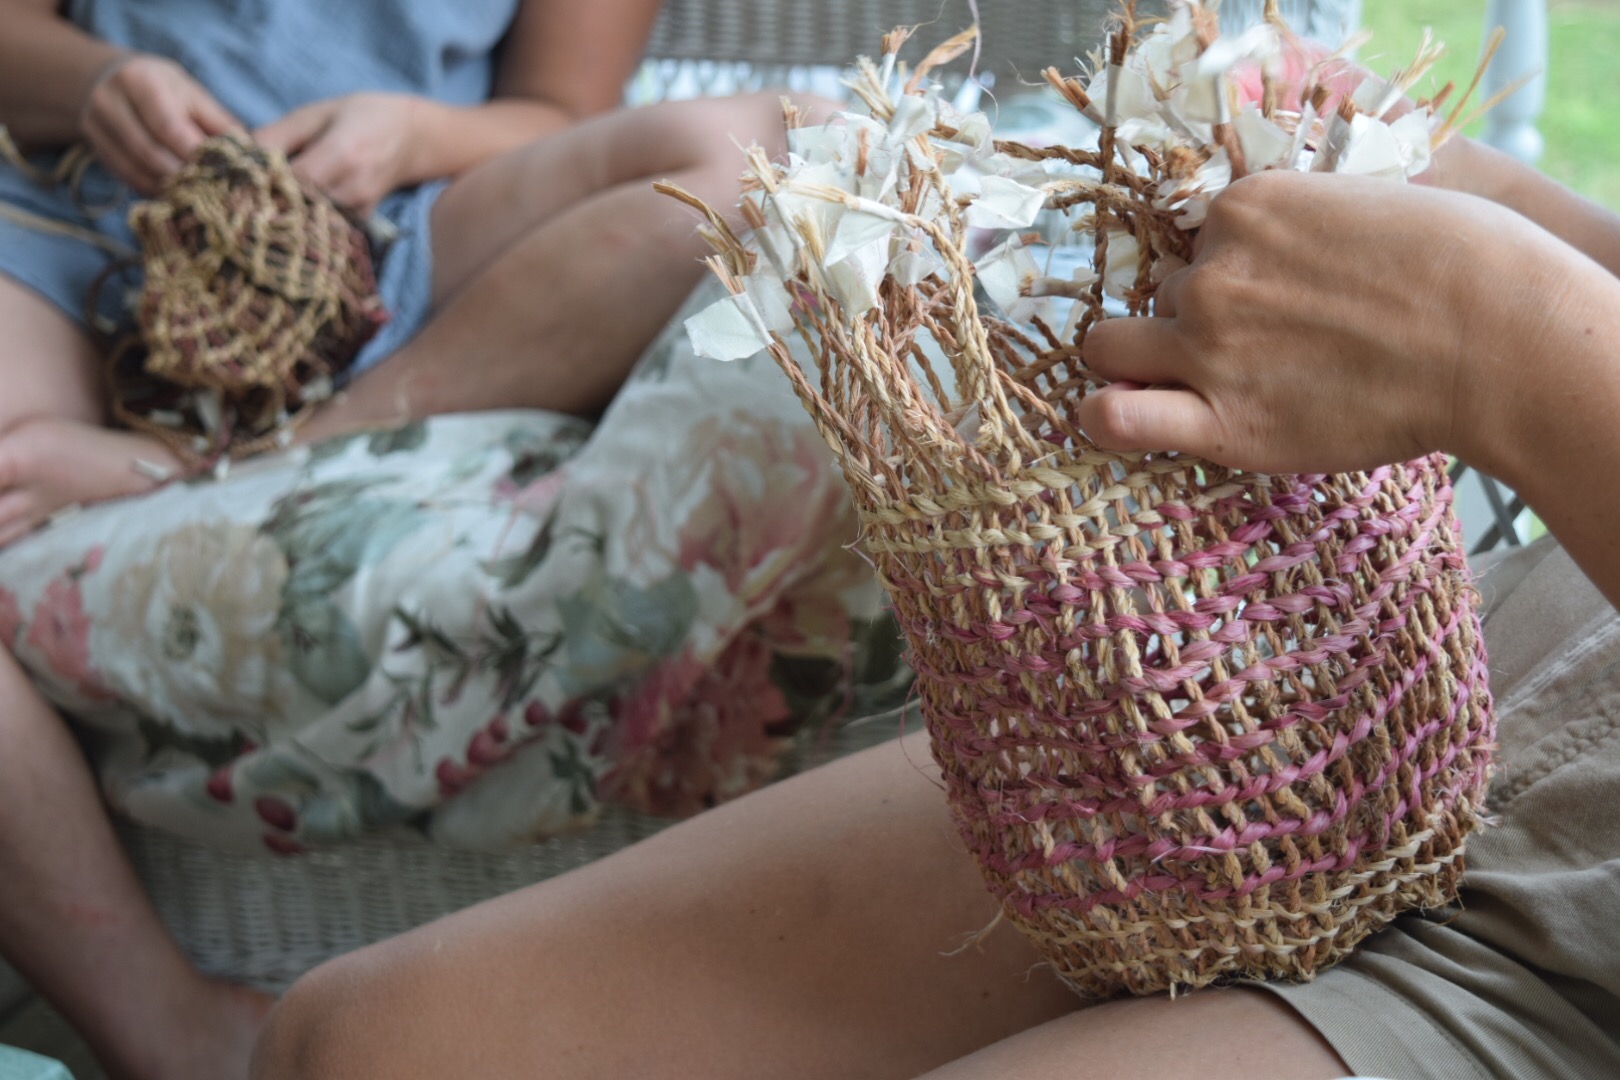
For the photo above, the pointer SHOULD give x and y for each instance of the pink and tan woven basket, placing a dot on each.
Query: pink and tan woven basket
(1195, 724)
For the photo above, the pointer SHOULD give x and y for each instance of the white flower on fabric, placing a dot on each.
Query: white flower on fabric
(192, 631)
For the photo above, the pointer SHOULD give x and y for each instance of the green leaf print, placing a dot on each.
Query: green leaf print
(324, 650)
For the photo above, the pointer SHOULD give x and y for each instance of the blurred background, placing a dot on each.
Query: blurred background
(1581, 122)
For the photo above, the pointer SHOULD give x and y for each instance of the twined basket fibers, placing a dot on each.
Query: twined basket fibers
(258, 292)
(1195, 724)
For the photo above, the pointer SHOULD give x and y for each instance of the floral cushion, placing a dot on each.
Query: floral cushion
(484, 626)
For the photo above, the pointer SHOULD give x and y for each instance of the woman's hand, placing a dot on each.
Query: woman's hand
(145, 116)
(356, 148)
(1330, 323)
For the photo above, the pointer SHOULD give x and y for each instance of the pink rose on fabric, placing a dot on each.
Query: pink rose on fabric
(690, 736)
(762, 505)
(11, 618)
(537, 498)
(60, 633)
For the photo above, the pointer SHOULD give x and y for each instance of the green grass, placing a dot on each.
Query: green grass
(1582, 119)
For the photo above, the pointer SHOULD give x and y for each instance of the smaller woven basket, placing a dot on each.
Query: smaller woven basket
(1194, 724)
(258, 290)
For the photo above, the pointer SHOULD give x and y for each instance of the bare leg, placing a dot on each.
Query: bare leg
(798, 932)
(801, 932)
(557, 264)
(75, 922)
(49, 366)
(1211, 1035)
(554, 266)
(53, 450)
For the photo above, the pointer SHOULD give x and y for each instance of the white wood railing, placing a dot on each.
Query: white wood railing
(1511, 126)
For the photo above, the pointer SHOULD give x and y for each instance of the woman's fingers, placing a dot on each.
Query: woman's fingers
(1128, 417)
(1139, 350)
(327, 164)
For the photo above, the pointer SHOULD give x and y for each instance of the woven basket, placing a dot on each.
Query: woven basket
(1195, 724)
(258, 290)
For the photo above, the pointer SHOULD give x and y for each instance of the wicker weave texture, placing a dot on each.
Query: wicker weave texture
(266, 919)
(1020, 37)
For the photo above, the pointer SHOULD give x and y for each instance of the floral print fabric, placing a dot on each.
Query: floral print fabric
(483, 627)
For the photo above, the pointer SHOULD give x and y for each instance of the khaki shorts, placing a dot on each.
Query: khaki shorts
(1523, 980)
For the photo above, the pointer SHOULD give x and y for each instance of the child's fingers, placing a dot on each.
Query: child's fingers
(293, 132)
(111, 144)
(211, 116)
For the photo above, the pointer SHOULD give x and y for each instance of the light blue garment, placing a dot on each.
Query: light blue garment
(20, 1065)
(261, 59)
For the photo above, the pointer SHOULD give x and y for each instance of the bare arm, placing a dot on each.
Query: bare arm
(1549, 430)
(561, 62)
(1333, 323)
(143, 115)
(1473, 167)
(47, 66)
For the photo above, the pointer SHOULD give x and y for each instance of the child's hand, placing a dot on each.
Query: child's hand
(355, 148)
(1331, 323)
(145, 116)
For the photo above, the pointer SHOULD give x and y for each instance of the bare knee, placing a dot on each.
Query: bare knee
(754, 119)
(50, 366)
(716, 131)
(332, 1023)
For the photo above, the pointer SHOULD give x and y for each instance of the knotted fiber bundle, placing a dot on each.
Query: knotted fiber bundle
(258, 292)
(1194, 724)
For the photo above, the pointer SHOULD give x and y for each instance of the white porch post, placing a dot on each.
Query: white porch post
(1511, 126)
